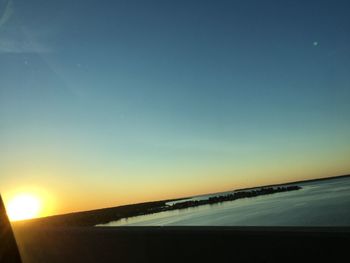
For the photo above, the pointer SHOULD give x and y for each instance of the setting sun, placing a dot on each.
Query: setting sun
(24, 206)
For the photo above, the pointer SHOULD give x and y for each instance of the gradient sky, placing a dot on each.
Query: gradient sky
(112, 102)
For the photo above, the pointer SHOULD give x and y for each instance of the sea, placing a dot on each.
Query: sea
(318, 203)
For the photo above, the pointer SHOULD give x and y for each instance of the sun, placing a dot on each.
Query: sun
(24, 206)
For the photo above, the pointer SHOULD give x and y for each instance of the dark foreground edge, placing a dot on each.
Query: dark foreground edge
(8, 247)
(183, 244)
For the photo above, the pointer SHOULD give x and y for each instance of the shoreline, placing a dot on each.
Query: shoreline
(106, 215)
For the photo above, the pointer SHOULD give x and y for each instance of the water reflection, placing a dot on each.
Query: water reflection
(324, 203)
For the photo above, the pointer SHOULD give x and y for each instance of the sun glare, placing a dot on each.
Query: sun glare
(24, 206)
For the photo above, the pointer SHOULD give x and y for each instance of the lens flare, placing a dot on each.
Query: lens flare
(24, 206)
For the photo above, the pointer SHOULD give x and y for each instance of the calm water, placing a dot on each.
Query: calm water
(325, 203)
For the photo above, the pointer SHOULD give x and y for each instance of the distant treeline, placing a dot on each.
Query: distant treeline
(102, 216)
(233, 196)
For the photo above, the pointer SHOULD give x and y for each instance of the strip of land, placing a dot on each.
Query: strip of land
(102, 216)
(231, 197)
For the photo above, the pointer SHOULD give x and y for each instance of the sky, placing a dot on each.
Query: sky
(104, 103)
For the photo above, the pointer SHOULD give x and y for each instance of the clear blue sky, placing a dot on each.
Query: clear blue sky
(111, 102)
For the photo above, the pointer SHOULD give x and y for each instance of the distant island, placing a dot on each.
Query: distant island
(231, 197)
(106, 215)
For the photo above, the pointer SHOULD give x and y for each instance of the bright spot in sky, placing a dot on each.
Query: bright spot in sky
(315, 43)
(23, 206)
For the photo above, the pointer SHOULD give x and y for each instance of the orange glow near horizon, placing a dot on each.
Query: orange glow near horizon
(28, 201)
